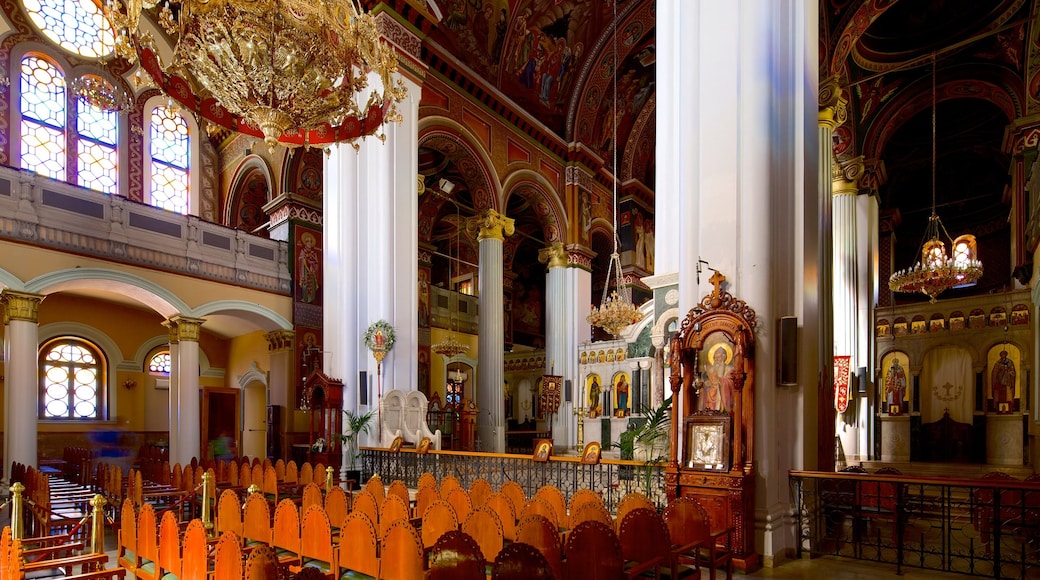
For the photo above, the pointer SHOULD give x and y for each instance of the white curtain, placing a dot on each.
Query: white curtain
(947, 384)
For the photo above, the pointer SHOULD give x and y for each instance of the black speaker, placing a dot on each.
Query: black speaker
(363, 387)
(787, 351)
(567, 391)
(861, 380)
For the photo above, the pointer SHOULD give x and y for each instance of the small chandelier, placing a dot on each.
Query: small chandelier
(450, 347)
(293, 72)
(616, 310)
(99, 93)
(936, 271)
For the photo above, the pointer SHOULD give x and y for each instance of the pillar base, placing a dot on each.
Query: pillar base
(1004, 440)
(895, 438)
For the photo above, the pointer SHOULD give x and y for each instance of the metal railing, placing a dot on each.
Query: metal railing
(612, 478)
(983, 527)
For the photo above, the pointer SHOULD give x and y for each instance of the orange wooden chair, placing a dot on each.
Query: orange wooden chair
(457, 556)
(591, 511)
(306, 473)
(374, 485)
(285, 534)
(359, 554)
(516, 494)
(593, 552)
(169, 545)
(336, 506)
(398, 488)
(554, 497)
(367, 504)
(256, 520)
(394, 508)
(316, 549)
(629, 502)
(261, 564)
(694, 542)
(484, 526)
(479, 492)
(194, 552)
(520, 561)
(127, 555)
(539, 532)
(460, 502)
(227, 557)
(401, 553)
(438, 519)
(426, 479)
(583, 496)
(311, 495)
(424, 497)
(229, 513)
(449, 483)
(539, 506)
(645, 543)
(503, 507)
(147, 544)
(291, 473)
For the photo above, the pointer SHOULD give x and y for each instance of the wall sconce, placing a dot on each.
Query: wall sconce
(129, 384)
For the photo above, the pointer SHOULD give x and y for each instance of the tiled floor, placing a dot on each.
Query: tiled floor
(834, 568)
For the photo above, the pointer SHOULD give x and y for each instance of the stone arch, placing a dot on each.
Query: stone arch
(479, 173)
(545, 201)
(252, 186)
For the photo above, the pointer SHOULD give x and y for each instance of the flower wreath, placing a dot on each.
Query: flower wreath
(388, 335)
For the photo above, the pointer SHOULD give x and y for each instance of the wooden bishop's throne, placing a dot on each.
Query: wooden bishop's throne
(324, 401)
(712, 375)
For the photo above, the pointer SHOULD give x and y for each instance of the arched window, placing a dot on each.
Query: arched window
(73, 375)
(43, 106)
(159, 363)
(169, 148)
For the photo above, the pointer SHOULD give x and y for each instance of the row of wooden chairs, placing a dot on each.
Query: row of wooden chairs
(48, 555)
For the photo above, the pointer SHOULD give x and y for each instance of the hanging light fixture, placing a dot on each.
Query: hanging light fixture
(451, 347)
(293, 72)
(936, 271)
(615, 311)
(94, 88)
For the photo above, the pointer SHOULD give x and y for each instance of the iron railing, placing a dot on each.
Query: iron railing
(612, 478)
(983, 527)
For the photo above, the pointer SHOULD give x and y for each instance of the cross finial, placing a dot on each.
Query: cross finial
(716, 280)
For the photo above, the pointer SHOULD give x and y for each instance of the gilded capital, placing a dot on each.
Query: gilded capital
(553, 256)
(20, 306)
(172, 328)
(490, 225)
(186, 329)
(845, 176)
(280, 340)
(833, 104)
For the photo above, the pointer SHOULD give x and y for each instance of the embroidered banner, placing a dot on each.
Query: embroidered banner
(841, 382)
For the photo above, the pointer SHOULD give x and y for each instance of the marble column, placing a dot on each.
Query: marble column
(555, 258)
(279, 381)
(845, 290)
(174, 393)
(189, 441)
(21, 382)
(491, 227)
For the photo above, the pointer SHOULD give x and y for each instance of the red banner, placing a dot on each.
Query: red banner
(841, 382)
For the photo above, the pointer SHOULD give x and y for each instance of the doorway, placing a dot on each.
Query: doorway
(221, 418)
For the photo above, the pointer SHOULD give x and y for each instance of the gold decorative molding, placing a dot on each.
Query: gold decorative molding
(833, 104)
(187, 329)
(845, 177)
(280, 340)
(553, 255)
(20, 306)
(491, 225)
(171, 327)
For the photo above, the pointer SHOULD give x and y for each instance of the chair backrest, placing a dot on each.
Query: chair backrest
(270, 485)
(516, 494)
(358, 552)
(316, 536)
(483, 524)
(554, 497)
(245, 476)
(128, 532)
(261, 564)
(401, 553)
(426, 479)
(193, 554)
(286, 529)
(438, 519)
(279, 469)
(398, 488)
(687, 521)
(256, 475)
(169, 544)
(520, 561)
(291, 472)
(366, 503)
(583, 496)
(644, 536)
(394, 508)
(318, 475)
(256, 519)
(537, 505)
(232, 473)
(503, 506)
(457, 556)
(147, 534)
(306, 473)
(593, 552)
(424, 497)
(629, 502)
(336, 506)
(311, 496)
(227, 557)
(539, 532)
(479, 492)
(591, 511)
(229, 512)
(448, 483)
(460, 502)
(374, 485)
(177, 479)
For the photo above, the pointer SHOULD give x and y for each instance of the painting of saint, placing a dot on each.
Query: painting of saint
(621, 389)
(717, 392)
(308, 269)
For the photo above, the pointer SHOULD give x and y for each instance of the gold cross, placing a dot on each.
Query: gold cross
(716, 280)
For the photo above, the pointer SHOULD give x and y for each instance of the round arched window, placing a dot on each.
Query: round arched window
(77, 26)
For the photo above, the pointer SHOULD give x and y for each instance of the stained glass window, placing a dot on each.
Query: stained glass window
(75, 25)
(72, 379)
(160, 363)
(43, 106)
(170, 148)
(98, 136)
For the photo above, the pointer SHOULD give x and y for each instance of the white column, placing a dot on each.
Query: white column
(174, 393)
(280, 352)
(577, 292)
(845, 291)
(189, 442)
(21, 382)
(555, 258)
(491, 429)
(867, 243)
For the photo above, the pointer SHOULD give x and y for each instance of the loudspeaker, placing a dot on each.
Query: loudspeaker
(567, 391)
(787, 350)
(363, 387)
(861, 380)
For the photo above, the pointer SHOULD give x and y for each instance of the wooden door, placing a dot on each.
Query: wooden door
(221, 420)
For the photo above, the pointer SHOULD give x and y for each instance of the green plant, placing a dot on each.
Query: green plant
(357, 424)
(652, 438)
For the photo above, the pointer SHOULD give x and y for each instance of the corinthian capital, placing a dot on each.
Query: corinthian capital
(833, 104)
(553, 255)
(490, 225)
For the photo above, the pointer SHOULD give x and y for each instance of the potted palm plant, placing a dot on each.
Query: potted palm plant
(357, 424)
(648, 443)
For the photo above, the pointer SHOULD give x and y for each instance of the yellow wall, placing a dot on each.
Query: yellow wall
(437, 366)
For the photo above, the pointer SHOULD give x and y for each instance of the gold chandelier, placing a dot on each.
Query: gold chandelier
(294, 72)
(450, 347)
(615, 311)
(936, 271)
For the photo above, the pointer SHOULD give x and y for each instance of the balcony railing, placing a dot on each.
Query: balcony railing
(982, 527)
(60, 216)
(611, 478)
